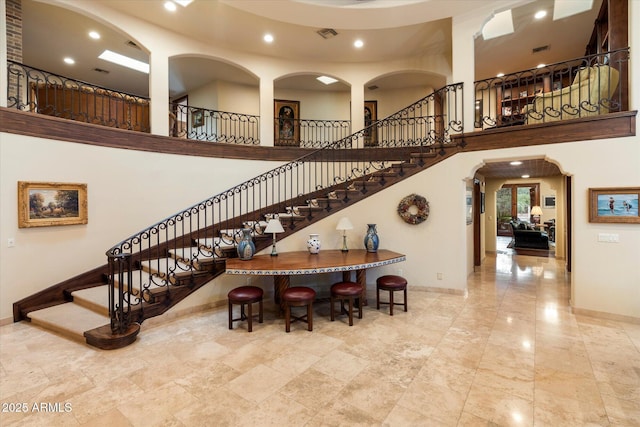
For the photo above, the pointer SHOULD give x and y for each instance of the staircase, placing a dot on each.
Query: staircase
(152, 271)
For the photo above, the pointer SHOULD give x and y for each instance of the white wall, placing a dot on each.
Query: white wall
(128, 191)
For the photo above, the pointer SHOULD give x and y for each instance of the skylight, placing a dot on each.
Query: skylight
(125, 61)
(500, 25)
(326, 80)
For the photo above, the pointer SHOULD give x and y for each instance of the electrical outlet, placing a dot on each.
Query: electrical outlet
(439, 276)
(400, 271)
(11, 242)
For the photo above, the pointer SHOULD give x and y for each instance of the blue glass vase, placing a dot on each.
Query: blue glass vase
(371, 240)
(246, 248)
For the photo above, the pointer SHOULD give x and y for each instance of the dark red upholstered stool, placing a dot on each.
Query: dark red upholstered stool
(350, 292)
(298, 296)
(245, 295)
(392, 284)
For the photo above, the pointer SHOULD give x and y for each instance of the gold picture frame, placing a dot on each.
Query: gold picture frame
(614, 205)
(370, 117)
(45, 204)
(287, 123)
(197, 118)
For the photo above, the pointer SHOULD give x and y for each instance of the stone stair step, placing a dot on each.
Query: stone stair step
(199, 257)
(95, 299)
(69, 319)
(216, 243)
(162, 267)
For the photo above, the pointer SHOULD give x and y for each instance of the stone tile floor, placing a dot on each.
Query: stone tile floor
(509, 353)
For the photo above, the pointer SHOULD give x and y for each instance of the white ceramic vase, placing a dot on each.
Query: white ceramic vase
(313, 243)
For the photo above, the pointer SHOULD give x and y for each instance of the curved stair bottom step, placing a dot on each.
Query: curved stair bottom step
(69, 320)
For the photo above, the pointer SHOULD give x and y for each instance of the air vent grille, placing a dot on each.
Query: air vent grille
(327, 33)
(372, 87)
(540, 49)
(100, 70)
(133, 44)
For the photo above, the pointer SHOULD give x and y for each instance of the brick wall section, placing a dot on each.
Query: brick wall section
(14, 30)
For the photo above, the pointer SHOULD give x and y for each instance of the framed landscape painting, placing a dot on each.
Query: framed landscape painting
(45, 204)
(615, 204)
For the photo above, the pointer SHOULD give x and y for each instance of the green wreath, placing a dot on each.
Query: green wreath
(420, 203)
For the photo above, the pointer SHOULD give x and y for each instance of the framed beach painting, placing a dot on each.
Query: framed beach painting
(614, 204)
(45, 204)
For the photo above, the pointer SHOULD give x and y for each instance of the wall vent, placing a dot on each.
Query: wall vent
(372, 87)
(100, 70)
(133, 44)
(327, 33)
(540, 49)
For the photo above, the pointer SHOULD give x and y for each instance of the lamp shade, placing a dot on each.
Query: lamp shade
(536, 210)
(344, 224)
(274, 226)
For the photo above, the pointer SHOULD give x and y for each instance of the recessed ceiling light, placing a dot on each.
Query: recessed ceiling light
(525, 176)
(358, 43)
(69, 61)
(268, 38)
(541, 65)
(326, 80)
(515, 163)
(500, 75)
(170, 6)
(94, 35)
(125, 61)
(183, 3)
(540, 14)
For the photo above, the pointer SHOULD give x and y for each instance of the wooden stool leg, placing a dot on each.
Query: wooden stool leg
(230, 315)
(405, 299)
(350, 311)
(331, 302)
(287, 317)
(360, 304)
(250, 319)
(377, 298)
(391, 303)
(310, 317)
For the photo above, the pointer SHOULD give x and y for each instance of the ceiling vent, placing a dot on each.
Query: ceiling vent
(133, 44)
(540, 49)
(100, 70)
(327, 33)
(372, 87)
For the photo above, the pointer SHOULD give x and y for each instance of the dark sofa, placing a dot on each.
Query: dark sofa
(527, 238)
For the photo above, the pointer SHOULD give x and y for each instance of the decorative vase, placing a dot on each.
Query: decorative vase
(371, 240)
(246, 247)
(313, 243)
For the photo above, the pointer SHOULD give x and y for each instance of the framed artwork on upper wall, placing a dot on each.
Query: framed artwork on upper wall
(614, 204)
(370, 117)
(45, 204)
(287, 123)
(197, 118)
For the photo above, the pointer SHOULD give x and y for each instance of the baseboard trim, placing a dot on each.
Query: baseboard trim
(6, 321)
(606, 316)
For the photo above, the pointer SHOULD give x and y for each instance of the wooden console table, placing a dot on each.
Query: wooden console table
(284, 265)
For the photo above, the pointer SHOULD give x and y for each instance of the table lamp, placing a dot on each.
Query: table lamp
(274, 226)
(344, 224)
(536, 213)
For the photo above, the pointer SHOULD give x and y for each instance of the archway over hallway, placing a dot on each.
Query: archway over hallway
(542, 183)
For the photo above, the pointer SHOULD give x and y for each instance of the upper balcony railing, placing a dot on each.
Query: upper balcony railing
(582, 87)
(202, 124)
(38, 91)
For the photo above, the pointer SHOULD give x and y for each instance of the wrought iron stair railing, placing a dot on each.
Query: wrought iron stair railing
(182, 249)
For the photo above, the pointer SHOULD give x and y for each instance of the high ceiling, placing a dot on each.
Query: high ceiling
(391, 29)
(535, 168)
